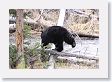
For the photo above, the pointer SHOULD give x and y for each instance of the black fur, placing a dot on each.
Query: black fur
(57, 35)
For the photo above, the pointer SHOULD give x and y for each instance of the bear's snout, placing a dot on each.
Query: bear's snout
(73, 45)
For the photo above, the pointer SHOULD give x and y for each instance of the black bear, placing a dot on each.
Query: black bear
(57, 35)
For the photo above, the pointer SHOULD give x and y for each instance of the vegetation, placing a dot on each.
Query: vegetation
(12, 56)
(31, 55)
(26, 31)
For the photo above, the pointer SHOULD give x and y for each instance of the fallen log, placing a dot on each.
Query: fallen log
(90, 36)
(85, 35)
(63, 54)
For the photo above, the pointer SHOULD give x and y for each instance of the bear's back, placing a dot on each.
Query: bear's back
(54, 33)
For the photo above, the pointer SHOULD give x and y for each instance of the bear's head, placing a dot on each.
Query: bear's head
(72, 42)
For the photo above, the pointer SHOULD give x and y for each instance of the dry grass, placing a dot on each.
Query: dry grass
(79, 64)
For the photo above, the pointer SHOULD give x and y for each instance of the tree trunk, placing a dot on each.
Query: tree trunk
(19, 38)
(61, 17)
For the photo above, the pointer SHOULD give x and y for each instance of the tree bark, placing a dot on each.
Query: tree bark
(19, 38)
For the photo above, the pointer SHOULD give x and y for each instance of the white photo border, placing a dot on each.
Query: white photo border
(102, 72)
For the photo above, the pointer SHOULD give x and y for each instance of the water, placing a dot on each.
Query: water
(85, 47)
